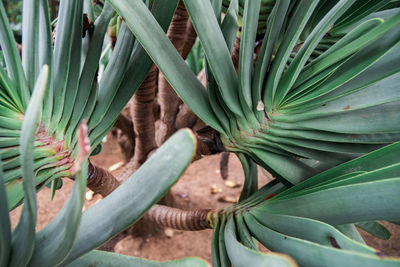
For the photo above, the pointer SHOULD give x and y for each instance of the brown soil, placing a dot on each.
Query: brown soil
(192, 191)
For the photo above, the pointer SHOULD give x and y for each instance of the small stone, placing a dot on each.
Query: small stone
(260, 106)
(182, 195)
(169, 232)
(232, 184)
(89, 195)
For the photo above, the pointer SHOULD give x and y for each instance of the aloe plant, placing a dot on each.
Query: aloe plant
(322, 91)
(45, 95)
(73, 93)
(312, 109)
(311, 99)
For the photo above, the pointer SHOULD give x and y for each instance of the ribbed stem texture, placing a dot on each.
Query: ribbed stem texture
(101, 181)
(178, 219)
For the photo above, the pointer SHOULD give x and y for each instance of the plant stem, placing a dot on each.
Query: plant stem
(101, 181)
(178, 219)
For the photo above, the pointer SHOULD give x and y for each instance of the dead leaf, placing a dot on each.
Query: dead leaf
(214, 189)
(115, 166)
(232, 184)
(228, 199)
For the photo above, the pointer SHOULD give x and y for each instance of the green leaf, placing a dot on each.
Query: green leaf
(311, 230)
(13, 60)
(307, 253)
(351, 47)
(290, 76)
(297, 23)
(165, 56)
(73, 74)
(30, 33)
(247, 40)
(113, 74)
(5, 227)
(62, 55)
(223, 254)
(376, 229)
(275, 20)
(216, 51)
(136, 195)
(24, 233)
(215, 241)
(344, 204)
(286, 169)
(94, 42)
(102, 258)
(244, 235)
(45, 56)
(250, 177)
(351, 231)
(358, 11)
(139, 65)
(242, 256)
(54, 242)
(380, 158)
(229, 25)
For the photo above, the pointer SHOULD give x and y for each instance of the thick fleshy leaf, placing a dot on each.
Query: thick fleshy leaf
(104, 259)
(94, 43)
(54, 242)
(311, 230)
(113, 74)
(376, 229)
(307, 253)
(275, 21)
(247, 40)
(24, 233)
(139, 65)
(288, 79)
(13, 60)
(216, 51)
(144, 188)
(296, 24)
(250, 177)
(30, 33)
(165, 56)
(5, 227)
(344, 204)
(62, 55)
(242, 256)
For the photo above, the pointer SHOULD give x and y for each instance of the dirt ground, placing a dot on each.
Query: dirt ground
(192, 191)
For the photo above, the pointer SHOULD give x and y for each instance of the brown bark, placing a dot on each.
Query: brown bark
(168, 99)
(143, 118)
(190, 38)
(125, 124)
(178, 219)
(235, 53)
(185, 118)
(101, 181)
(223, 165)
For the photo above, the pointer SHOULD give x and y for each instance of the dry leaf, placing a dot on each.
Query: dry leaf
(232, 184)
(214, 189)
(115, 166)
(228, 199)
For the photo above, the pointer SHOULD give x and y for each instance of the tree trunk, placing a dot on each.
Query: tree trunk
(168, 99)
